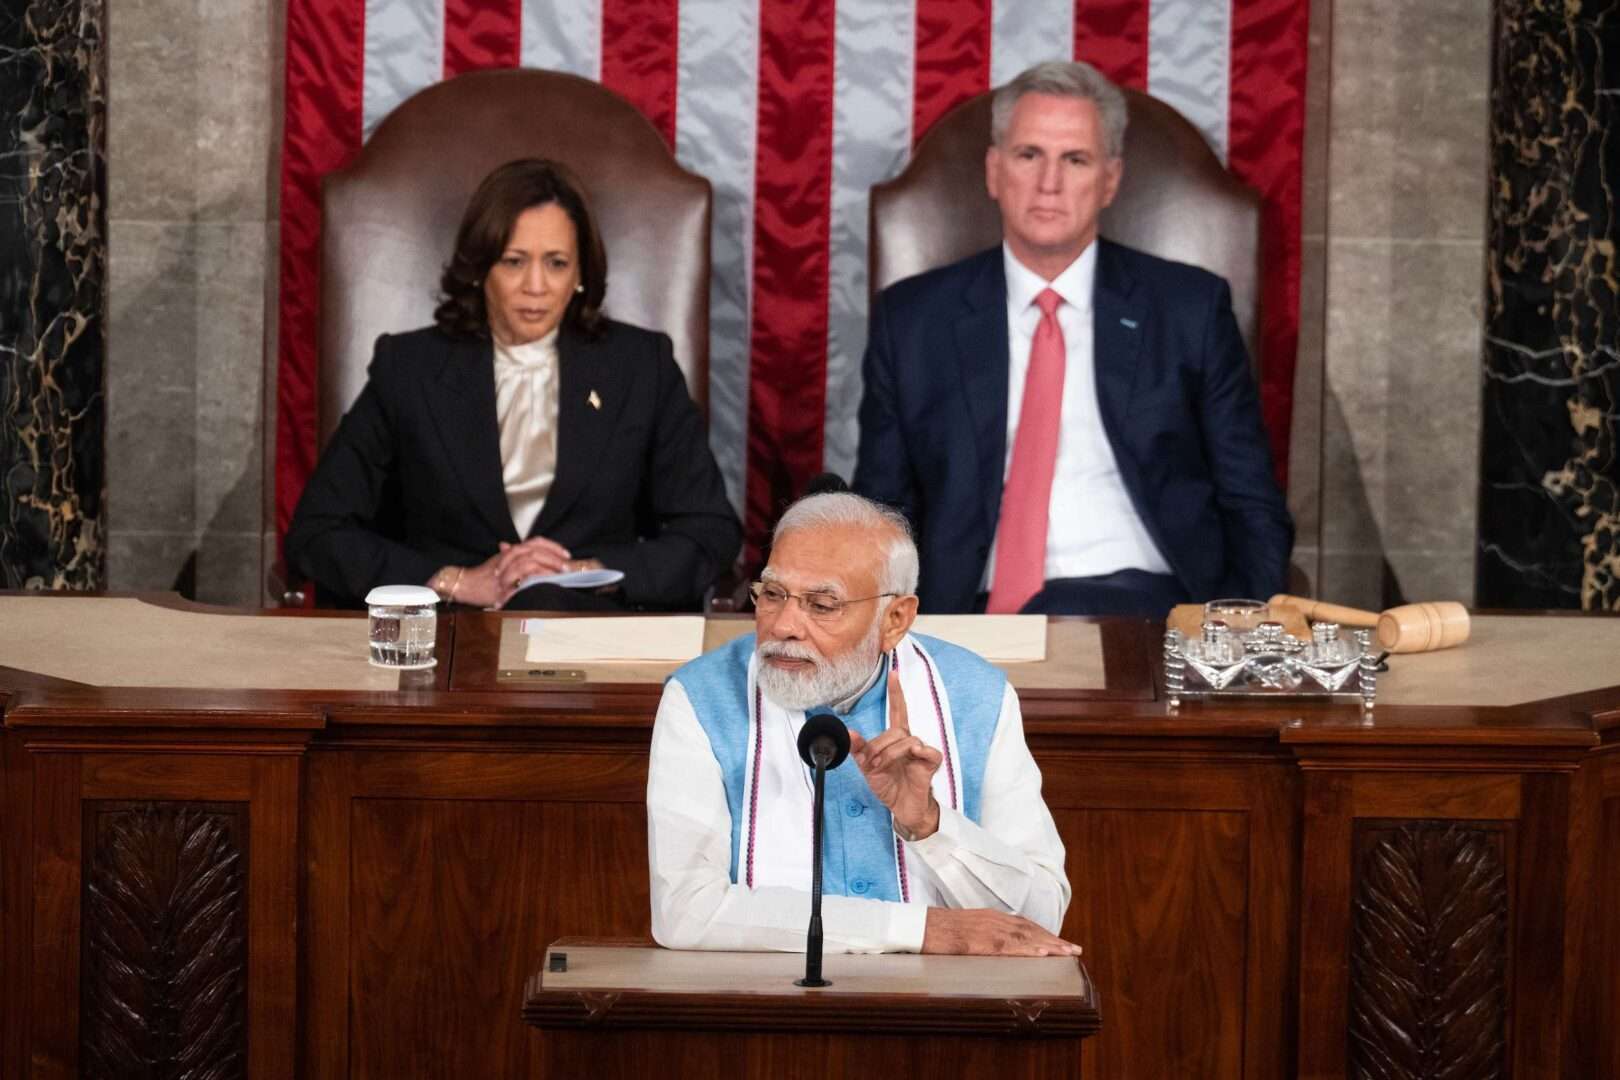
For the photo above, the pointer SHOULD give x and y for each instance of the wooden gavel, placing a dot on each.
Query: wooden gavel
(1405, 629)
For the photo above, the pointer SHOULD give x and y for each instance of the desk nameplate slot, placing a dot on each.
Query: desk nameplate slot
(541, 675)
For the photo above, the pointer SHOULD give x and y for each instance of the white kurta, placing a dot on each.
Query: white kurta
(1011, 860)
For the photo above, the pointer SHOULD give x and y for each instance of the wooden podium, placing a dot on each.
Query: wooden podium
(633, 1010)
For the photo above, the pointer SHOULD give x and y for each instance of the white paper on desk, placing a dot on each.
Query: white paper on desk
(1001, 639)
(629, 637)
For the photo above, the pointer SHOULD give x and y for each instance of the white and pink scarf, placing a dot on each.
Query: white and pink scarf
(779, 789)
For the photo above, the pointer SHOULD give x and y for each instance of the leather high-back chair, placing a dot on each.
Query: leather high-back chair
(1175, 201)
(388, 220)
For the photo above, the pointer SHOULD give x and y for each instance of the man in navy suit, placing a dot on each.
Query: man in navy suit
(1069, 424)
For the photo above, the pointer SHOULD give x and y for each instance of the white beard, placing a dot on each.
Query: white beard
(829, 681)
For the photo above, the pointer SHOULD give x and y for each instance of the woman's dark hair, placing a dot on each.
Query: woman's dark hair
(486, 228)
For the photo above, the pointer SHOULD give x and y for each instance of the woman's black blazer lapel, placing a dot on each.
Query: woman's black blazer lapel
(592, 387)
(461, 400)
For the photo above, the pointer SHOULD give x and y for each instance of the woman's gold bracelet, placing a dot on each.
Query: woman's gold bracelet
(448, 595)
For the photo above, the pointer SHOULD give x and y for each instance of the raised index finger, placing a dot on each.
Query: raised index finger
(899, 720)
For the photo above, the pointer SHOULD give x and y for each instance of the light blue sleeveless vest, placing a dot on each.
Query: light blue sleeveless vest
(858, 842)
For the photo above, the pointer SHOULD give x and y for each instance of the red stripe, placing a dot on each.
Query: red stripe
(905, 876)
(325, 43)
(787, 391)
(753, 788)
(899, 845)
(952, 58)
(1113, 35)
(639, 46)
(1266, 134)
(481, 34)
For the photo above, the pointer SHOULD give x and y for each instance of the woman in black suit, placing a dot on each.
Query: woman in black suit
(523, 434)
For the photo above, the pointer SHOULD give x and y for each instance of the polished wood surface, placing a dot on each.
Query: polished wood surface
(625, 985)
(800, 1056)
(410, 853)
(642, 1008)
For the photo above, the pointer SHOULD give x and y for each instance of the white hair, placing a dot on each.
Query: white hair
(845, 509)
(1070, 79)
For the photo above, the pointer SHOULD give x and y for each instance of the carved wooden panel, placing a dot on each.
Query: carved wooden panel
(164, 950)
(1429, 951)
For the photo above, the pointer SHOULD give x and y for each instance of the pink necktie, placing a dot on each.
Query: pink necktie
(1021, 533)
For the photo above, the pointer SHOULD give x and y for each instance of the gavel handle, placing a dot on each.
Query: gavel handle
(1317, 611)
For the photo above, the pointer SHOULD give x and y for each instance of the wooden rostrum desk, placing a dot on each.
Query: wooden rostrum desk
(334, 878)
(617, 1010)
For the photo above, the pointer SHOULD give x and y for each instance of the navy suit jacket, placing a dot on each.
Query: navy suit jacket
(1173, 387)
(411, 480)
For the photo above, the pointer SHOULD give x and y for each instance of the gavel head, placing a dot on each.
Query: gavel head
(1423, 627)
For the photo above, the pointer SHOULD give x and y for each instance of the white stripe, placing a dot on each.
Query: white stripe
(872, 91)
(1189, 62)
(716, 128)
(404, 54)
(562, 36)
(1025, 32)
(944, 719)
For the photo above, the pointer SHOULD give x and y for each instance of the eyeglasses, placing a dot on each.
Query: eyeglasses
(770, 598)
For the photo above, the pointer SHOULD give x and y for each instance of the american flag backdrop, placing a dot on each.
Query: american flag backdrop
(792, 109)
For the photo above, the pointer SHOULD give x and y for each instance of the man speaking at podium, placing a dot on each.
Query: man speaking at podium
(936, 841)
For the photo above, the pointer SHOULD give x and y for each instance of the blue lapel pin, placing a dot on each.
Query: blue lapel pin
(1129, 324)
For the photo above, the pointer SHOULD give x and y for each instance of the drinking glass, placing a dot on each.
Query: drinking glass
(404, 625)
(1241, 616)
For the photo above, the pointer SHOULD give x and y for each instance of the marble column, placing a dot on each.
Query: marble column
(1549, 512)
(52, 265)
(1385, 458)
(192, 230)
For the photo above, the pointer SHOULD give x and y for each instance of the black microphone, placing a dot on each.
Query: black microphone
(823, 744)
(824, 741)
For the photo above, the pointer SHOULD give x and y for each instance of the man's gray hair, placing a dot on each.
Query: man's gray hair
(843, 509)
(1070, 79)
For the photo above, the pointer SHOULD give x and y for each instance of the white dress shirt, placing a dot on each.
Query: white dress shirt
(1092, 527)
(1011, 860)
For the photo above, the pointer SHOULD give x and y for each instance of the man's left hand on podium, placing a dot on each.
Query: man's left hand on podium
(984, 932)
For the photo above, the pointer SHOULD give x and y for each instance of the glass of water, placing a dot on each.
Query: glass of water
(404, 625)
(1239, 615)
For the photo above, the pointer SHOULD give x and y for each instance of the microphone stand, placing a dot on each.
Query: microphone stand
(812, 950)
(823, 745)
